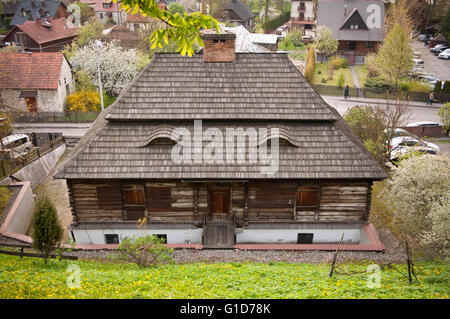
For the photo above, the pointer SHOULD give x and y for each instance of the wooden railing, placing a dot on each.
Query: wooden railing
(22, 253)
(11, 166)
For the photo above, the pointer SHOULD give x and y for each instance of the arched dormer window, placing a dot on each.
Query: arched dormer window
(160, 136)
(282, 136)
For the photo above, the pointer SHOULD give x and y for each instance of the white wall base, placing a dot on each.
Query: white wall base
(289, 236)
(174, 236)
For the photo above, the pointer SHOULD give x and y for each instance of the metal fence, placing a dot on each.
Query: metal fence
(366, 93)
(53, 117)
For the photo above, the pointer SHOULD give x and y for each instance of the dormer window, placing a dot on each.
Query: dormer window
(162, 141)
(106, 5)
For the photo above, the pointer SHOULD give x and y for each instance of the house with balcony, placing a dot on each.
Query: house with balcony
(356, 24)
(303, 16)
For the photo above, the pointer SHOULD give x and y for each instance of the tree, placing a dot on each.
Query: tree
(117, 65)
(445, 25)
(83, 101)
(325, 44)
(310, 63)
(341, 80)
(438, 87)
(183, 29)
(394, 58)
(375, 125)
(446, 87)
(444, 114)
(86, 12)
(398, 13)
(46, 228)
(419, 195)
(175, 8)
(90, 31)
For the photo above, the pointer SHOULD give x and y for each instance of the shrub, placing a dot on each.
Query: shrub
(309, 70)
(444, 114)
(5, 125)
(341, 80)
(5, 195)
(296, 38)
(338, 62)
(286, 44)
(46, 228)
(378, 84)
(417, 86)
(405, 86)
(446, 88)
(438, 87)
(83, 101)
(144, 250)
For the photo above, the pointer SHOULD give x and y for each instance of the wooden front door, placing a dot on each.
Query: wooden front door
(219, 203)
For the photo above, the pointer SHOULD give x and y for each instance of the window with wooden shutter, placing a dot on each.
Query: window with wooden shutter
(109, 197)
(307, 197)
(159, 198)
(133, 201)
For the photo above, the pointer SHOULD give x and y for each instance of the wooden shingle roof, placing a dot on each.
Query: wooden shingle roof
(255, 86)
(256, 91)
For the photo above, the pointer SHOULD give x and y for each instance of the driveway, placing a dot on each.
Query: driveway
(435, 66)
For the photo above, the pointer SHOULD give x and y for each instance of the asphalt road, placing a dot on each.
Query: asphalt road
(437, 67)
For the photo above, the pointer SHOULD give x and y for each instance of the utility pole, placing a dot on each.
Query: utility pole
(98, 45)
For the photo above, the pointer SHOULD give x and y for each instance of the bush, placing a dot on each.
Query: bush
(286, 44)
(341, 80)
(309, 70)
(378, 84)
(46, 228)
(5, 125)
(83, 101)
(5, 195)
(338, 62)
(444, 114)
(144, 251)
(438, 87)
(446, 88)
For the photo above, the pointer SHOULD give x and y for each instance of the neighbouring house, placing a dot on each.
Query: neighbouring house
(303, 16)
(159, 154)
(35, 81)
(7, 12)
(42, 35)
(356, 24)
(238, 12)
(136, 21)
(164, 4)
(31, 10)
(107, 11)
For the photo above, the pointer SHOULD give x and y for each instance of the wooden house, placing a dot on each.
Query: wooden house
(42, 35)
(239, 13)
(123, 169)
(30, 10)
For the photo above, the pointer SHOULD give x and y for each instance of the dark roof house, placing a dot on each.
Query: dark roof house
(42, 35)
(35, 9)
(356, 24)
(238, 12)
(124, 167)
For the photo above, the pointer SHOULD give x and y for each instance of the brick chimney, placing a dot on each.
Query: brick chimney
(218, 47)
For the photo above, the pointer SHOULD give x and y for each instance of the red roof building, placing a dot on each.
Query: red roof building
(42, 35)
(35, 81)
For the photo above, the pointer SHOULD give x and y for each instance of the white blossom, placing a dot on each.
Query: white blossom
(118, 66)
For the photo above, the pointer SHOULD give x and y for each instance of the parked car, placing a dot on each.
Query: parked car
(424, 37)
(418, 62)
(16, 144)
(403, 145)
(281, 29)
(445, 54)
(438, 46)
(307, 38)
(440, 50)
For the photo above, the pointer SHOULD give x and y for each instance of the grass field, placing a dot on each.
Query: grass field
(31, 278)
(321, 70)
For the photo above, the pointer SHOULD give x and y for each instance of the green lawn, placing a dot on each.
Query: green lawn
(30, 278)
(321, 70)
(361, 71)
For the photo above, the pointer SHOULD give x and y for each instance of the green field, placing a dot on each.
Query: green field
(321, 71)
(31, 278)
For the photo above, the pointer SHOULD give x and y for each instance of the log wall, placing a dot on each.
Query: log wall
(251, 202)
